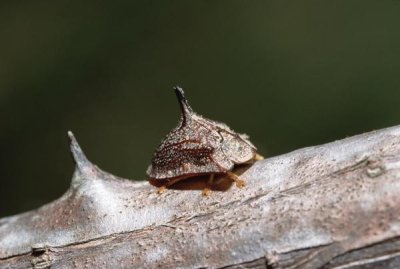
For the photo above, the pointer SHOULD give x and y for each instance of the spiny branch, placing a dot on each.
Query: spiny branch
(329, 206)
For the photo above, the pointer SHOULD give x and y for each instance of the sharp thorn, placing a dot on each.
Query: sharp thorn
(185, 107)
(77, 153)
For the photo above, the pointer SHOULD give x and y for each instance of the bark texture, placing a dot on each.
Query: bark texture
(331, 206)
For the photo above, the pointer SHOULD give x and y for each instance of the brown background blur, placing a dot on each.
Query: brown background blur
(290, 74)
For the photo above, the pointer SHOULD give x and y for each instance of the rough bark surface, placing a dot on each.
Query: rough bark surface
(330, 206)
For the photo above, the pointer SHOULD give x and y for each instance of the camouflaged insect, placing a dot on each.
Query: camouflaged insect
(198, 146)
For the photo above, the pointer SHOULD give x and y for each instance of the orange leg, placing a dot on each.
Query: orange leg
(206, 192)
(161, 189)
(164, 187)
(239, 183)
(258, 157)
(210, 182)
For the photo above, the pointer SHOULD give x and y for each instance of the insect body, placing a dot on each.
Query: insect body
(199, 146)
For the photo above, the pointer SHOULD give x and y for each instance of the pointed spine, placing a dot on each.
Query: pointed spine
(84, 168)
(77, 153)
(185, 107)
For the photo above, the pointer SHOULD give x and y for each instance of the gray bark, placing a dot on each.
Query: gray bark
(330, 206)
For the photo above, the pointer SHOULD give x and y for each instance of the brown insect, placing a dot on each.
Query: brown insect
(198, 147)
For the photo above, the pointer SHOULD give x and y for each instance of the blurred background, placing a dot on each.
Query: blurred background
(289, 74)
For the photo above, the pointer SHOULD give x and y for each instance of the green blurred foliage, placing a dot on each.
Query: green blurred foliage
(290, 74)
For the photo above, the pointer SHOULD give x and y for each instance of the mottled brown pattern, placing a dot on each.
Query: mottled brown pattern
(198, 146)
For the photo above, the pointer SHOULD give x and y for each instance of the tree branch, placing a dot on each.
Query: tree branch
(330, 206)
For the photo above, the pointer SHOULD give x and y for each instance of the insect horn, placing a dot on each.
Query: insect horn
(185, 107)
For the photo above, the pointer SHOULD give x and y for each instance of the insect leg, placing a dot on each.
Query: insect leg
(258, 157)
(161, 189)
(239, 183)
(210, 180)
(166, 185)
(206, 192)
